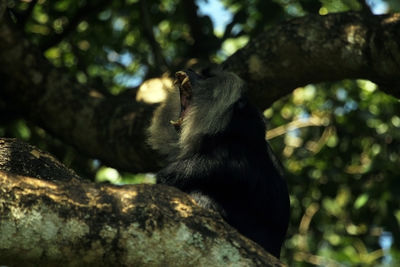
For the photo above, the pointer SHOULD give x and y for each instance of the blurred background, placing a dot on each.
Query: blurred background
(339, 142)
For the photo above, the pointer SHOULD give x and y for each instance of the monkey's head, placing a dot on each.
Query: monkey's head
(204, 106)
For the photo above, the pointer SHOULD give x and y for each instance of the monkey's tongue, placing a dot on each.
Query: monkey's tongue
(185, 91)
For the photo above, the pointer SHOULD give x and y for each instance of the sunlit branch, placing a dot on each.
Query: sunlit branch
(297, 124)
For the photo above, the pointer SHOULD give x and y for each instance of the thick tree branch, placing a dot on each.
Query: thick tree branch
(65, 220)
(111, 129)
(306, 50)
(20, 158)
(313, 49)
(47, 223)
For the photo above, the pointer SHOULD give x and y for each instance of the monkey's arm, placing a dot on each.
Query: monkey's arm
(187, 173)
(199, 169)
(201, 177)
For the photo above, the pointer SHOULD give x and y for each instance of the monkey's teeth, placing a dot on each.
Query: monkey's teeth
(180, 76)
(177, 122)
(186, 82)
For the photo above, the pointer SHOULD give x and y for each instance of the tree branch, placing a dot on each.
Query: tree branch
(293, 125)
(20, 158)
(365, 7)
(85, 224)
(24, 17)
(313, 49)
(160, 63)
(306, 50)
(203, 44)
(3, 8)
(108, 128)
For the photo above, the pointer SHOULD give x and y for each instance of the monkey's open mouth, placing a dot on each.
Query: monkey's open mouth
(182, 80)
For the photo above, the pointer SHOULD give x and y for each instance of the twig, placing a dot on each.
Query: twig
(3, 7)
(160, 63)
(301, 123)
(365, 7)
(23, 17)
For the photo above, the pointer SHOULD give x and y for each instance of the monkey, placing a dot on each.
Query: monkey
(214, 141)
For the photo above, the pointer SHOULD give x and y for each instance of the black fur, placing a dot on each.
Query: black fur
(234, 173)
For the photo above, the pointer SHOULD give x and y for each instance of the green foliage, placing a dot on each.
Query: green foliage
(341, 151)
(110, 175)
(342, 173)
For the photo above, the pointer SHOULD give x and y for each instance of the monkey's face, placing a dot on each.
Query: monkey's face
(192, 86)
(204, 108)
(206, 100)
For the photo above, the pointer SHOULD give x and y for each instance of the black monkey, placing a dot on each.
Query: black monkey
(218, 154)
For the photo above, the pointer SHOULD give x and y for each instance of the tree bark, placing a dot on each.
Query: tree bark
(20, 158)
(305, 50)
(65, 221)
